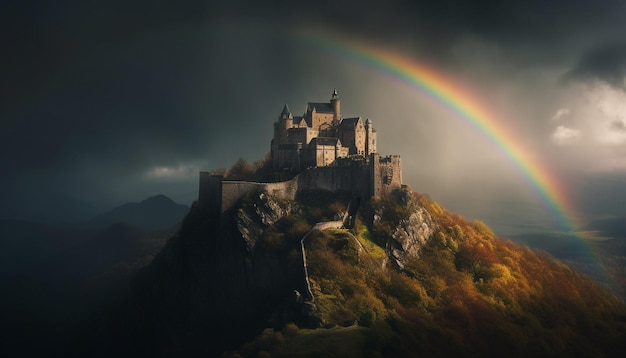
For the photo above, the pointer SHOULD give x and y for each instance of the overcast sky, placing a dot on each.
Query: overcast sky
(102, 103)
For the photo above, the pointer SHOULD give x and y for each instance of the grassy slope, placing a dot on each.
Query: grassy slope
(469, 294)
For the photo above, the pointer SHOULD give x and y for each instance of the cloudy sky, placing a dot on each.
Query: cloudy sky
(103, 103)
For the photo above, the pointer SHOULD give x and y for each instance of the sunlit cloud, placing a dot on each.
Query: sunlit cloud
(608, 106)
(565, 135)
(178, 172)
(561, 113)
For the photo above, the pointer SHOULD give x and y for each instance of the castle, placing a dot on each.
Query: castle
(326, 151)
(319, 137)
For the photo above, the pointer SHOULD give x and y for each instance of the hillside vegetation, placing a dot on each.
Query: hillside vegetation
(468, 293)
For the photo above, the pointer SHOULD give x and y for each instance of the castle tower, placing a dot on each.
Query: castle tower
(281, 130)
(286, 118)
(370, 137)
(336, 105)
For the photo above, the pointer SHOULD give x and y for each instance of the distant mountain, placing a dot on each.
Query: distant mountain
(53, 278)
(155, 213)
(603, 259)
(614, 227)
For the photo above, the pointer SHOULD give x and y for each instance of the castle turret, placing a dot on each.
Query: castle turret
(336, 105)
(281, 128)
(286, 118)
(370, 137)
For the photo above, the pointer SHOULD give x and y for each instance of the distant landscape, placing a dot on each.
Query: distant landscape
(55, 277)
(401, 178)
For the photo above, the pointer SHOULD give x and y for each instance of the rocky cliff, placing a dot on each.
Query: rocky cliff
(406, 276)
(243, 270)
(409, 236)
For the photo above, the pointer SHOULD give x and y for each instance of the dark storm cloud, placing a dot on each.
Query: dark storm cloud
(532, 31)
(92, 94)
(606, 63)
(94, 98)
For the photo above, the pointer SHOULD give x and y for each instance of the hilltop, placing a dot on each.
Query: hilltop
(154, 213)
(337, 257)
(406, 278)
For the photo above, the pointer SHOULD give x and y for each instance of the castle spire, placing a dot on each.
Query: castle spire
(335, 104)
(286, 110)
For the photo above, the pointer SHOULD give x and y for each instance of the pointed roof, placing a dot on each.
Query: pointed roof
(318, 141)
(320, 107)
(335, 95)
(349, 122)
(286, 110)
(297, 120)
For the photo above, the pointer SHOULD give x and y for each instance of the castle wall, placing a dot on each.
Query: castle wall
(287, 157)
(348, 140)
(297, 135)
(359, 139)
(224, 194)
(320, 118)
(386, 174)
(325, 154)
(335, 178)
(233, 191)
(354, 138)
(284, 190)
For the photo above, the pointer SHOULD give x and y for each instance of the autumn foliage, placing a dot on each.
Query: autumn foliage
(469, 293)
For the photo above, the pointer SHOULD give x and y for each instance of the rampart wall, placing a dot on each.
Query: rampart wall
(376, 177)
(233, 191)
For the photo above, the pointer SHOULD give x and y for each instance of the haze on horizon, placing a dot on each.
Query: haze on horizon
(105, 105)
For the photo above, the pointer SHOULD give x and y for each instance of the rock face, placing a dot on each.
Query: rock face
(409, 237)
(227, 273)
(411, 232)
(213, 278)
(263, 212)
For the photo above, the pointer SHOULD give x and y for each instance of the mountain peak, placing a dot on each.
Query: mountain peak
(155, 213)
(158, 199)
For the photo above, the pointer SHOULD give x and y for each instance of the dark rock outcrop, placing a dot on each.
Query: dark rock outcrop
(211, 286)
(222, 278)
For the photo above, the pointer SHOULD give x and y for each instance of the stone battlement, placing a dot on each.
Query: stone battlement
(364, 178)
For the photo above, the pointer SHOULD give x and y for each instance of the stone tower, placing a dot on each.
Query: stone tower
(370, 137)
(285, 118)
(336, 105)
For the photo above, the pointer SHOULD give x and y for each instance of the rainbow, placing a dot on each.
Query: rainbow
(443, 89)
(465, 106)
